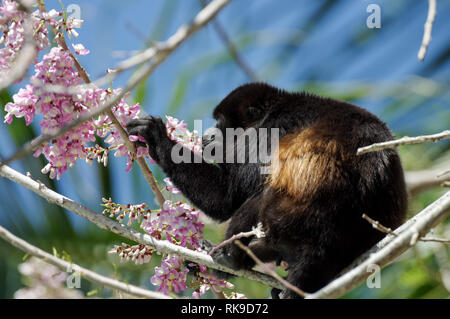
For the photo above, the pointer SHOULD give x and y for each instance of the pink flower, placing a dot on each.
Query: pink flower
(23, 106)
(80, 49)
(13, 38)
(170, 276)
(170, 187)
(178, 132)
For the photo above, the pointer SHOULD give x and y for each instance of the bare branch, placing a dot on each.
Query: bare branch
(427, 30)
(376, 224)
(156, 53)
(256, 231)
(232, 48)
(388, 249)
(90, 275)
(103, 222)
(270, 271)
(436, 240)
(419, 181)
(404, 141)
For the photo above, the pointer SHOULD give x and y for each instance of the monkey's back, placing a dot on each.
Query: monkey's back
(319, 188)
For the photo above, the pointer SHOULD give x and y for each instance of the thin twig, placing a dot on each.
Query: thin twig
(388, 248)
(232, 48)
(376, 224)
(157, 52)
(268, 270)
(256, 231)
(104, 222)
(90, 275)
(404, 141)
(419, 181)
(447, 172)
(428, 27)
(436, 240)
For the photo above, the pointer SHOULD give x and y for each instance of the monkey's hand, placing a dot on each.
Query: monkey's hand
(153, 130)
(222, 256)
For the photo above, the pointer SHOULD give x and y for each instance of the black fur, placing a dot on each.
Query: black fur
(315, 227)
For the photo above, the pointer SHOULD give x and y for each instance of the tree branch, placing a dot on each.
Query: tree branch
(427, 30)
(256, 231)
(404, 141)
(86, 273)
(231, 47)
(270, 271)
(388, 249)
(158, 52)
(117, 228)
(378, 226)
(419, 181)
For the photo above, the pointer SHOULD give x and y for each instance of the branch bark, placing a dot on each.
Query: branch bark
(90, 275)
(111, 225)
(404, 141)
(378, 226)
(388, 249)
(419, 181)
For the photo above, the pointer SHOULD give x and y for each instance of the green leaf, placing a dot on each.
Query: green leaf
(92, 292)
(55, 252)
(66, 256)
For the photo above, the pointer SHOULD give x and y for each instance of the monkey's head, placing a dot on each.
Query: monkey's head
(246, 106)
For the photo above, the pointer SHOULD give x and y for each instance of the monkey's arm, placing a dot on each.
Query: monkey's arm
(204, 184)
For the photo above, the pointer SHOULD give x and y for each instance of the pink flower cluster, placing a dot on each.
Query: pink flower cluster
(177, 222)
(140, 254)
(178, 132)
(170, 276)
(206, 280)
(13, 38)
(123, 113)
(44, 281)
(134, 212)
(59, 110)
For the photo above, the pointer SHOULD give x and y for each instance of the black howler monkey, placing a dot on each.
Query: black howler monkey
(312, 201)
